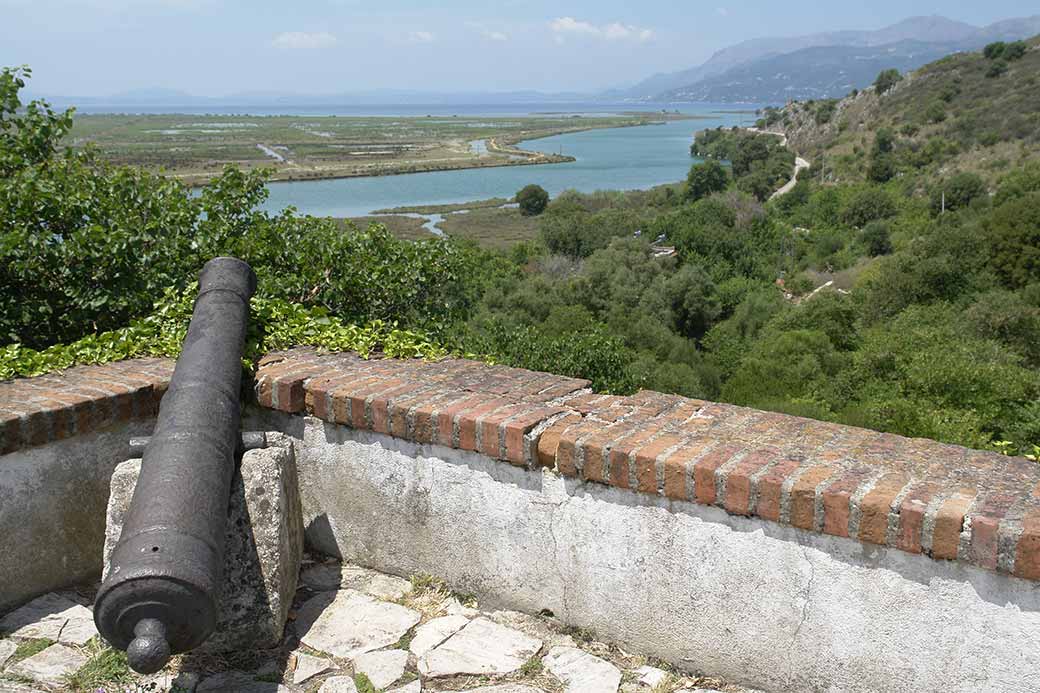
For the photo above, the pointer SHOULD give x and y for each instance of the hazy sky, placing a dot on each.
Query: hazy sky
(216, 47)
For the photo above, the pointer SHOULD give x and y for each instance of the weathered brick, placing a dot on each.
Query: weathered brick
(1027, 550)
(595, 451)
(356, 398)
(738, 481)
(837, 501)
(621, 460)
(646, 460)
(564, 386)
(876, 505)
(400, 408)
(516, 428)
(445, 423)
(704, 471)
(426, 413)
(985, 524)
(678, 469)
(378, 405)
(912, 516)
(468, 421)
(949, 521)
(318, 393)
(491, 436)
(549, 441)
(803, 495)
(10, 433)
(770, 489)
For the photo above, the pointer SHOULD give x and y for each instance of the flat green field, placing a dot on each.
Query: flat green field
(195, 148)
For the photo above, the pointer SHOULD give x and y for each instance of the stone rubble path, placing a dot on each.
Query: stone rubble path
(351, 623)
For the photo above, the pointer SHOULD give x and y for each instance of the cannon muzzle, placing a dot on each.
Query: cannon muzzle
(160, 595)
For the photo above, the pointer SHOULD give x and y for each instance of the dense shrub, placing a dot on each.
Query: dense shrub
(887, 79)
(870, 204)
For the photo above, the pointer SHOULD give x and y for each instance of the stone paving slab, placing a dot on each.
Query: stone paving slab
(7, 648)
(482, 647)
(338, 684)
(308, 666)
(48, 617)
(431, 634)
(382, 668)
(582, 672)
(49, 666)
(651, 676)
(351, 623)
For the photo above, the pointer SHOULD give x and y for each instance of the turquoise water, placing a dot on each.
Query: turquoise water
(615, 159)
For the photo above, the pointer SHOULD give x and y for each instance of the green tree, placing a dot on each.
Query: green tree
(935, 113)
(704, 179)
(532, 200)
(749, 151)
(887, 79)
(957, 191)
(994, 50)
(1014, 51)
(876, 237)
(1013, 229)
(997, 69)
(884, 141)
(882, 168)
(867, 205)
(693, 300)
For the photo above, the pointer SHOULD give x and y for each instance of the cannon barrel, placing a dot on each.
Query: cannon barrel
(160, 596)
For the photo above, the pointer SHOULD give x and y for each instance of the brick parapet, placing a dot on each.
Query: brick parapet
(914, 495)
(80, 400)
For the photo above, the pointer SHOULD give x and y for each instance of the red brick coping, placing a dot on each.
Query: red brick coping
(916, 495)
(35, 411)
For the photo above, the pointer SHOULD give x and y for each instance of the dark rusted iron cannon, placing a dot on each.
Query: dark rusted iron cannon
(161, 592)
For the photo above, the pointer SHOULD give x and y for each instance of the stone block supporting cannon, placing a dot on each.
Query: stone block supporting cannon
(161, 592)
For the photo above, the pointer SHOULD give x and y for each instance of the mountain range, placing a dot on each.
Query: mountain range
(821, 65)
(758, 71)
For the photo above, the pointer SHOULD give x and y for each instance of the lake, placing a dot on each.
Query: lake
(613, 159)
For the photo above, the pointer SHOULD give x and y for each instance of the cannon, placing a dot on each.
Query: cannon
(160, 595)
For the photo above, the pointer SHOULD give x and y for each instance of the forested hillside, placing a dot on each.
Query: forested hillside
(905, 302)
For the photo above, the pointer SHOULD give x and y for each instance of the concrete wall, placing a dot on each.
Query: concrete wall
(753, 601)
(52, 510)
